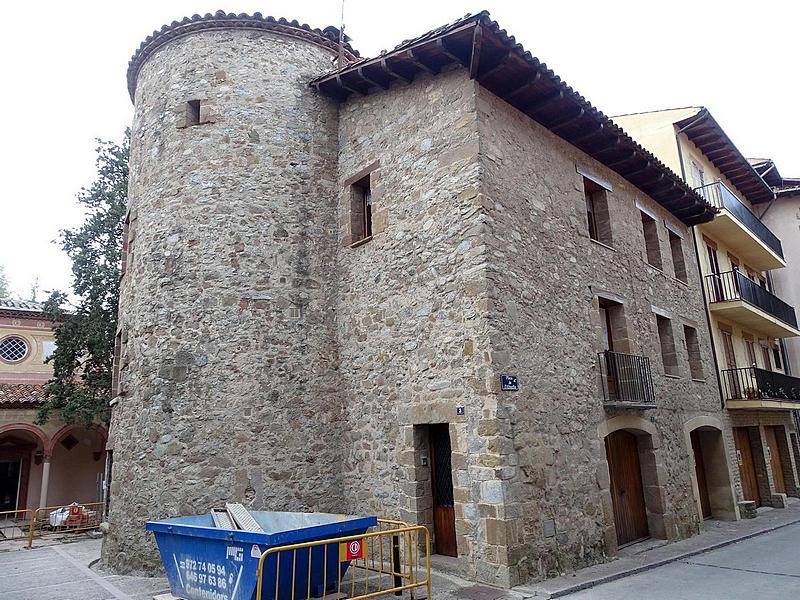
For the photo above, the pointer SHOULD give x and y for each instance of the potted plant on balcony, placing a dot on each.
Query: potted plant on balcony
(751, 393)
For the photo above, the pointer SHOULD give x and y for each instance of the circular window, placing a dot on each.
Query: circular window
(13, 349)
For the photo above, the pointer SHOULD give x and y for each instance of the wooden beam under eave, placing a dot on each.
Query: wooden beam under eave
(571, 118)
(645, 167)
(448, 53)
(475, 57)
(542, 102)
(344, 86)
(589, 133)
(523, 87)
(390, 71)
(417, 61)
(499, 65)
(369, 79)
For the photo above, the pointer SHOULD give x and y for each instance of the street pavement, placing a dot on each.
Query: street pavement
(766, 567)
(61, 572)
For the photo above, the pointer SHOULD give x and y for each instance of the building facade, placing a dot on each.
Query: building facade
(740, 257)
(40, 465)
(436, 285)
(782, 216)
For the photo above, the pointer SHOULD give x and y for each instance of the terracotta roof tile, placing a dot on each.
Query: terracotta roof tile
(21, 394)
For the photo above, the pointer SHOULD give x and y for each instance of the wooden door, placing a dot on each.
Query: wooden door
(627, 496)
(444, 520)
(771, 433)
(747, 469)
(700, 471)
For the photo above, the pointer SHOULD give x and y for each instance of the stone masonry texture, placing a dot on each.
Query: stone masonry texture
(268, 360)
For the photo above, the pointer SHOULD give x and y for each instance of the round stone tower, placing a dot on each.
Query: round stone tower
(227, 385)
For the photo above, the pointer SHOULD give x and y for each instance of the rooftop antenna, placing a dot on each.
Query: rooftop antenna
(340, 62)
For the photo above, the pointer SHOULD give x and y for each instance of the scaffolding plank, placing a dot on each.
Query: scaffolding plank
(242, 517)
(222, 519)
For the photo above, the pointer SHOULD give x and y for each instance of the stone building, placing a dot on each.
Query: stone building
(48, 465)
(437, 285)
(747, 316)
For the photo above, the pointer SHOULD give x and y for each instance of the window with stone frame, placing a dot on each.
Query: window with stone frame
(361, 210)
(127, 246)
(678, 260)
(597, 215)
(667, 340)
(693, 352)
(650, 231)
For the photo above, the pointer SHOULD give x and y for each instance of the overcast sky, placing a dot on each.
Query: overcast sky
(64, 67)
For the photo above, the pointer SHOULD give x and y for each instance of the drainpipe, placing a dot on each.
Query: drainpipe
(700, 117)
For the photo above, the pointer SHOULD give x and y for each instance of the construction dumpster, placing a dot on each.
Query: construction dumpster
(206, 562)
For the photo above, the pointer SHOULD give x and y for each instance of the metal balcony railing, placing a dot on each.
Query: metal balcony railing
(752, 383)
(735, 285)
(626, 378)
(717, 194)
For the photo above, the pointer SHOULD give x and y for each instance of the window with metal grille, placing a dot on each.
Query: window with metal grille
(13, 349)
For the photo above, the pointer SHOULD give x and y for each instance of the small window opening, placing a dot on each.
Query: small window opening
(193, 112)
(597, 212)
(665, 336)
(650, 230)
(693, 352)
(361, 210)
(678, 261)
(295, 311)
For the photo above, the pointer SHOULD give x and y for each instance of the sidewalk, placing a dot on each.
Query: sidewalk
(642, 557)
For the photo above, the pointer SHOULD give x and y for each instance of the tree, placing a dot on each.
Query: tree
(4, 291)
(85, 328)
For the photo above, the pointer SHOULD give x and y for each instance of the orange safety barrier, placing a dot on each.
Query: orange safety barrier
(69, 518)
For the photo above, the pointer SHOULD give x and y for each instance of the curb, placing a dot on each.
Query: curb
(658, 563)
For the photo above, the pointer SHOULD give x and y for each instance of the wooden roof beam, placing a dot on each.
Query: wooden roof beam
(589, 133)
(349, 88)
(542, 102)
(369, 79)
(523, 87)
(449, 53)
(475, 58)
(417, 61)
(394, 73)
(566, 120)
(498, 65)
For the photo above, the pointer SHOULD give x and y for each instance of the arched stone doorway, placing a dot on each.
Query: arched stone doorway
(634, 499)
(22, 449)
(710, 475)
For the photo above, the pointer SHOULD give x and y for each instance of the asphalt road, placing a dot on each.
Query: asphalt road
(766, 567)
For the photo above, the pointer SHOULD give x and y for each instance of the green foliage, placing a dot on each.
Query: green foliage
(4, 291)
(85, 328)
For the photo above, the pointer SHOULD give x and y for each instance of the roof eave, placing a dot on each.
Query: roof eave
(504, 67)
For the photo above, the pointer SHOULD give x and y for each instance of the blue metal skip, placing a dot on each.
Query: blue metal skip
(206, 563)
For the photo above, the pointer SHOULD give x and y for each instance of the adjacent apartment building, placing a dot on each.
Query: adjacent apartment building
(40, 465)
(740, 258)
(437, 285)
(782, 216)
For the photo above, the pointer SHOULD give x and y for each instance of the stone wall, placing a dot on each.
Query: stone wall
(545, 276)
(412, 309)
(228, 367)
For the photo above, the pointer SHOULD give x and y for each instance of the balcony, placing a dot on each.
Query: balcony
(733, 295)
(627, 380)
(752, 387)
(741, 230)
